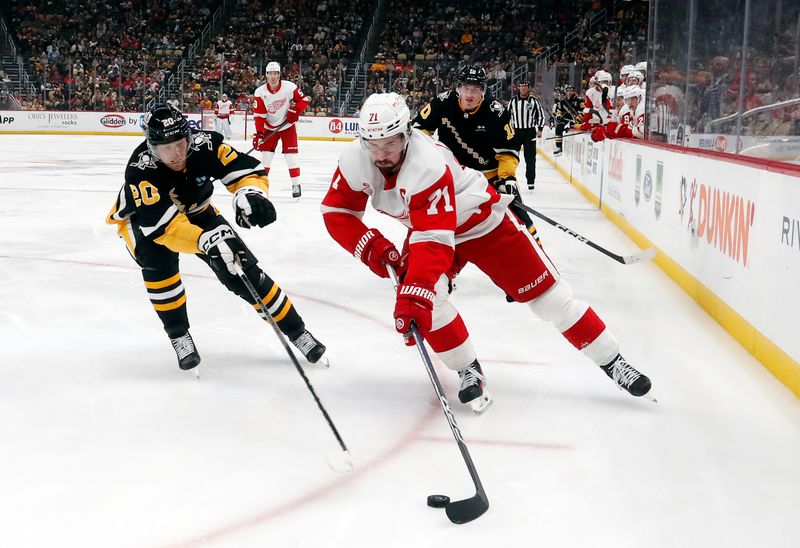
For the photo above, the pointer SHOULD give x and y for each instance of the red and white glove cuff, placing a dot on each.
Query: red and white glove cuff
(364, 241)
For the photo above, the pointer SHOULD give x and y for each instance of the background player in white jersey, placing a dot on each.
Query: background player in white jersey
(631, 118)
(277, 105)
(597, 104)
(454, 216)
(222, 112)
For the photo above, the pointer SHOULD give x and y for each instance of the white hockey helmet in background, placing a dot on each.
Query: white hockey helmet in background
(641, 66)
(626, 69)
(384, 115)
(638, 75)
(602, 76)
(633, 91)
(273, 66)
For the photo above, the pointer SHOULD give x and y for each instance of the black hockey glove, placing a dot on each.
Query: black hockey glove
(222, 247)
(508, 185)
(252, 207)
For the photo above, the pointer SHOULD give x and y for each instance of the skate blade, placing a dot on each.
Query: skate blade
(324, 362)
(649, 397)
(481, 404)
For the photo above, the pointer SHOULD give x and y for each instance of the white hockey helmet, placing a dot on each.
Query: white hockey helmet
(633, 91)
(602, 76)
(641, 66)
(637, 75)
(273, 66)
(626, 70)
(224, 96)
(384, 115)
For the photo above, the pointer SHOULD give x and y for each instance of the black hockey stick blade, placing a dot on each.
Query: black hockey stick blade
(464, 511)
(640, 257)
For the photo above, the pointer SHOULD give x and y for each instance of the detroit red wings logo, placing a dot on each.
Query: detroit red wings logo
(275, 106)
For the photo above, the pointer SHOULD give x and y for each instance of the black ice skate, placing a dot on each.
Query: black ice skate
(626, 377)
(557, 151)
(188, 358)
(311, 348)
(473, 388)
(296, 191)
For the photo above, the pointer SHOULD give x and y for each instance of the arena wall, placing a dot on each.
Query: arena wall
(726, 230)
(327, 128)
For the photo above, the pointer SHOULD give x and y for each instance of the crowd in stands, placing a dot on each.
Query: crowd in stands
(103, 56)
(116, 56)
(500, 34)
(312, 39)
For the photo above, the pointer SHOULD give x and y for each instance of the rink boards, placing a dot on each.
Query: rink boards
(328, 128)
(726, 230)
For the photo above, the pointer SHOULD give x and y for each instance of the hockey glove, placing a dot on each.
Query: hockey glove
(260, 140)
(222, 246)
(508, 186)
(376, 252)
(598, 134)
(252, 207)
(414, 304)
(291, 115)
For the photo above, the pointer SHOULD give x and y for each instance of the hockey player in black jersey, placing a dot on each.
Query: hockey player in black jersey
(478, 130)
(164, 208)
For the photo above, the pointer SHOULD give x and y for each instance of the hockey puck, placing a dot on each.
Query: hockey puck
(438, 501)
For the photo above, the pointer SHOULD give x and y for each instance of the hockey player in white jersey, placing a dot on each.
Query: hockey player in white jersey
(454, 216)
(598, 107)
(278, 104)
(631, 118)
(222, 114)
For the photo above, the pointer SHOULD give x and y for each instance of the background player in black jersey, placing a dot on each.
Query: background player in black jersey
(478, 130)
(164, 208)
(567, 109)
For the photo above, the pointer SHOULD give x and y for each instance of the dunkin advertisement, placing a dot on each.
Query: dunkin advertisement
(732, 227)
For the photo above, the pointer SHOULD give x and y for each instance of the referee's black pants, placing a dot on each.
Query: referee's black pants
(527, 140)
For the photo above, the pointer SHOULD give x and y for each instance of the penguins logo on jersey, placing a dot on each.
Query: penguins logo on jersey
(201, 138)
(145, 161)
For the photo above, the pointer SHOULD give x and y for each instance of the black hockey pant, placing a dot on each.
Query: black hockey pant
(162, 280)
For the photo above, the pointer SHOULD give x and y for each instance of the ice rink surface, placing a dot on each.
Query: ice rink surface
(104, 442)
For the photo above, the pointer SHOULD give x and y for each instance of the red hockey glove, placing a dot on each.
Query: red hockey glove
(260, 140)
(598, 134)
(291, 116)
(624, 131)
(611, 129)
(414, 304)
(376, 252)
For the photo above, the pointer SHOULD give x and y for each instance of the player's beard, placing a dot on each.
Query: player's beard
(389, 168)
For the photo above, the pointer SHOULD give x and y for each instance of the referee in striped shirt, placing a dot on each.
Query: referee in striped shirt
(527, 116)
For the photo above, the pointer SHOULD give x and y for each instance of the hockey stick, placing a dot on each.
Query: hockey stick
(270, 134)
(640, 257)
(565, 136)
(339, 462)
(460, 511)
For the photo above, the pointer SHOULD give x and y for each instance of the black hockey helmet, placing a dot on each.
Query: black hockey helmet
(472, 74)
(165, 124)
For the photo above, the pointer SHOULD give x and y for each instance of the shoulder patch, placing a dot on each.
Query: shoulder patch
(443, 95)
(144, 161)
(201, 138)
(496, 106)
